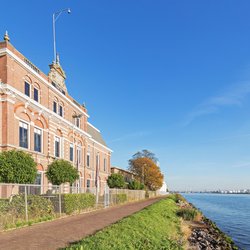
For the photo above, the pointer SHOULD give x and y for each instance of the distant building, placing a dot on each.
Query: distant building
(38, 115)
(128, 176)
(164, 188)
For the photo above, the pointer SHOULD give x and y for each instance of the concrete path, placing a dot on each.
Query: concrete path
(59, 233)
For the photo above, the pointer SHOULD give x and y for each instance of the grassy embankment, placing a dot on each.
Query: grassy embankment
(155, 227)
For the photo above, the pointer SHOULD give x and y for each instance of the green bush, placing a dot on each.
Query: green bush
(4, 205)
(187, 213)
(77, 202)
(135, 185)
(38, 206)
(17, 167)
(116, 181)
(121, 198)
(61, 171)
(177, 198)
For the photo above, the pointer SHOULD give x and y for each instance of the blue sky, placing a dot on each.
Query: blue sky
(172, 77)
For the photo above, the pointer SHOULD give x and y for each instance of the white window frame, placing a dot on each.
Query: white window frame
(29, 88)
(78, 119)
(59, 139)
(21, 123)
(61, 106)
(88, 156)
(104, 164)
(37, 128)
(71, 146)
(38, 94)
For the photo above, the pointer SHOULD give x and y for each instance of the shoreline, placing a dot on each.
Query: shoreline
(205, 234)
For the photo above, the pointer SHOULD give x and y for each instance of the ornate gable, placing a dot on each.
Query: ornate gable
(57, 76)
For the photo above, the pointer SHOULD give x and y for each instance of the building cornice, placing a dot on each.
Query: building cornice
(93, 127)
(7, 51)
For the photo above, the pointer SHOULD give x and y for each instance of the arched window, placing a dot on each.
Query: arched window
(27, 88)
(61, 109)
(55, 105)
(36, 92)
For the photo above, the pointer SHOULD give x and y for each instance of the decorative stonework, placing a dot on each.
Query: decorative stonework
(57, 76)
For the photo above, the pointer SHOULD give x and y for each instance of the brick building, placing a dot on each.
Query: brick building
(128, 176)
(38, 115)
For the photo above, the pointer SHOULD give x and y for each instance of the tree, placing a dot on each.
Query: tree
(116, 181)
(147, 172)
(61, 171)
(17, 167)
(144, 153)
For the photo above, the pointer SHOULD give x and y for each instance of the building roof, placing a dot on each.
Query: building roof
(95, 133)
(121, 169)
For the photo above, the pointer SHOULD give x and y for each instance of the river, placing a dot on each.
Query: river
(230, 212)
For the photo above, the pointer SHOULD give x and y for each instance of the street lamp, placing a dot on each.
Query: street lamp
(56, 15)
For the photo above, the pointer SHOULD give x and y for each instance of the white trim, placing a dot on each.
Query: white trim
(38, 128)
(7, 51)
(50, 112)
(93, 127)
(7, 100)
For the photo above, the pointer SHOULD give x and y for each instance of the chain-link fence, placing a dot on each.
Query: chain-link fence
(26, 204)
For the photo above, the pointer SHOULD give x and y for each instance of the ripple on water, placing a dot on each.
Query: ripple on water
(230, 212)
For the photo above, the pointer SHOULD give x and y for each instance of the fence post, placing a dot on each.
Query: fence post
(26, 203)
(60, 201)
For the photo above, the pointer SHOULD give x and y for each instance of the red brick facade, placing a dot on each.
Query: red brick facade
(39, 116)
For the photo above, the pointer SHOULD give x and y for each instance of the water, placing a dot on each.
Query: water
(230, 212)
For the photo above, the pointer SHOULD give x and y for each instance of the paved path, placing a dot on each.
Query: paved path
(59, 233)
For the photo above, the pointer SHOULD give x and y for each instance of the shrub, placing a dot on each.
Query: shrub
(17, 167)
(61, 171)
(116, 181)
(177, 198)
(77, 202)
(38, 206)
(135, 185)
(187, 213)
(121, 198)
(4, 205)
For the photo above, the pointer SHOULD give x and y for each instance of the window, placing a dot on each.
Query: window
(97, 161)
(57, 147)
(55, 107)
(36, 94)
(88, 159)
(27, 88)
(61, 111)
(88, 183)
(71, 152)
(77, 121)
(104, 164)
(38, 140)
(23, 135)
(78, 156)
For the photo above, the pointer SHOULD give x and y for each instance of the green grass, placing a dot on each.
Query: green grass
(155, 227)
(187, 213)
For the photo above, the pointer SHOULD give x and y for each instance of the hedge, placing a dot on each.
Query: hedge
(77, 202)
(38, 206)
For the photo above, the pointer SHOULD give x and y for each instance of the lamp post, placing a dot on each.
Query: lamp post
(56, 15)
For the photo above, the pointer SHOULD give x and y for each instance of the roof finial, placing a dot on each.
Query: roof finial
(6, 36)
(57, 59)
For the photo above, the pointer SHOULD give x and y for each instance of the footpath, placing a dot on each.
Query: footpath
(59, 233)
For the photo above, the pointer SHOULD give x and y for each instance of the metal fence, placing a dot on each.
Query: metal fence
(26, 204)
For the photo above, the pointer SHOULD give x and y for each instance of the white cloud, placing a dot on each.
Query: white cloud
(234, 96)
